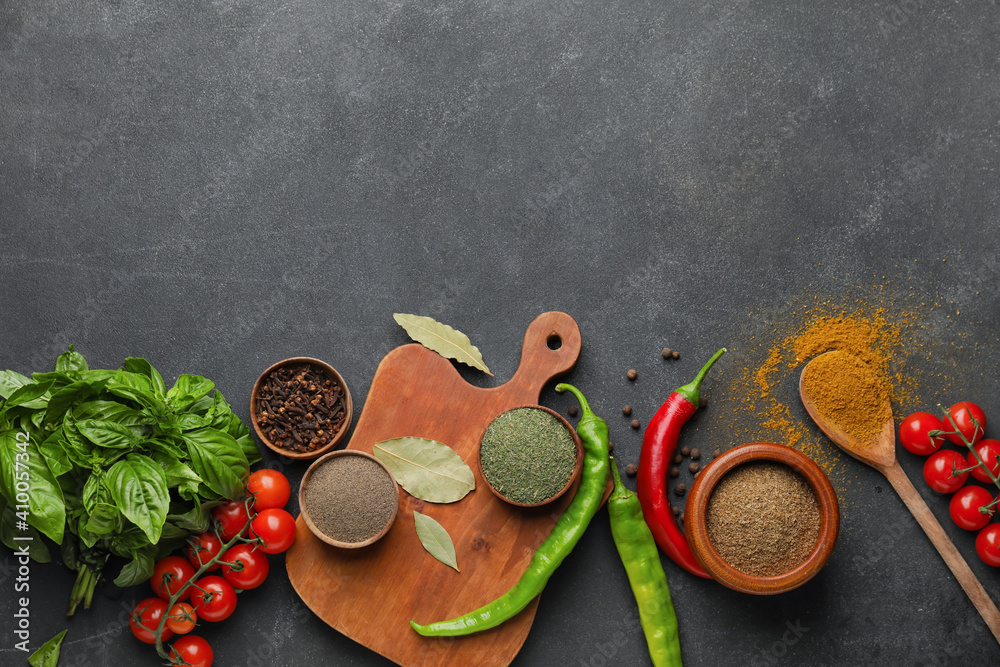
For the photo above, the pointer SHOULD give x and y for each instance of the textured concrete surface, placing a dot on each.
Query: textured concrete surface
(219, 185)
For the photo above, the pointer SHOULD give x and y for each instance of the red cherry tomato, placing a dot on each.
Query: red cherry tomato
(988, 544)
(276, 528)
(192, 650)
(182, 618)
(169, 574)
(145, 619)
(914, 433)
(938, 469)
(269, 488)
(216, 599)
(966, 415)
(989, 452)
(252, 569)
(232, 518)
(964, 507)
(203, 548)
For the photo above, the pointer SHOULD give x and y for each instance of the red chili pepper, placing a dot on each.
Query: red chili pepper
(658, 445)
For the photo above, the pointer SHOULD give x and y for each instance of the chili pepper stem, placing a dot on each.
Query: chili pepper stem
(619, 491)
(692, 390)
(584, 406)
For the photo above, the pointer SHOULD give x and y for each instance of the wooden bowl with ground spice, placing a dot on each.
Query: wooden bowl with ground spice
(301, 407)
(349, 499)
(530, 455)
(762, 518)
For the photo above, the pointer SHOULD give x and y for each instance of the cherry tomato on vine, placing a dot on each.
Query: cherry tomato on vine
(253, 562)
(938, 468)
(192, 650)
(169, 574)
(276, 528)
(270, 489)
(182, 618)
(232, 518)
(964, 507)
(145, 618)
(989, 452)
(988, 544)
(963, 415)
(203, 548)
(914, 433)
(213, 598)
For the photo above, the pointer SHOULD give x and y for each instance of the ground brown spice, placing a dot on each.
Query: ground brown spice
(849, 393)
(350, 498)
(763, 519)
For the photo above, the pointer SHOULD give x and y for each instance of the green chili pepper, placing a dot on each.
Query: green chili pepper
(565, 534)
(641, 558)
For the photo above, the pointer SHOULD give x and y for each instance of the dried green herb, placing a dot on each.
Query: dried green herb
(426, 469)
(435, 539)
(443, 339)
(527, 455)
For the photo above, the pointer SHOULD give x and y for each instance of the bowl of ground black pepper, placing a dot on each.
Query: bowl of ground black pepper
(762, 518)
(530, 455)
(349, 499)
(301, 407)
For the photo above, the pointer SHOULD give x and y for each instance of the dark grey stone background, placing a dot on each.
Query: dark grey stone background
(219, 185)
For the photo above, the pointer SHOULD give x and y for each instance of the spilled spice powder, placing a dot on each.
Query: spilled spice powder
(849, 393)
(763, 518)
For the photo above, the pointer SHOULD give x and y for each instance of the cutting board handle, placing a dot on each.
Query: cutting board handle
(551, 347)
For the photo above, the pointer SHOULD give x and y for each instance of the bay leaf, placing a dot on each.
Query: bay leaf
(435, 539)
(427, 469)
(443, 339)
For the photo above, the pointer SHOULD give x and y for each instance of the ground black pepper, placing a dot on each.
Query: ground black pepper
(350, 498)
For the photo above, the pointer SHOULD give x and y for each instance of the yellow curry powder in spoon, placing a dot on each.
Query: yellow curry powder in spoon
(850, 393)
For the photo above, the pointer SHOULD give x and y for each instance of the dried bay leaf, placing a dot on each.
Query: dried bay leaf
(427, 469)
(435, 539)
(443, 339)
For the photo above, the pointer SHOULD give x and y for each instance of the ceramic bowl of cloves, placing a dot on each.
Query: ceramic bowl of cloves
(301, 407)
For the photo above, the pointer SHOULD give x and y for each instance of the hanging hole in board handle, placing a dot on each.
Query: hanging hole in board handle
(554, 341)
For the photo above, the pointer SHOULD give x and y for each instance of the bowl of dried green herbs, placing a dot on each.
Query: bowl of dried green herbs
(530, 456)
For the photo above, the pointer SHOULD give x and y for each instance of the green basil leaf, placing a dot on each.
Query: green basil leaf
(107, 434)
(249, 448)
(196, 519)
(47, 654)
(188, 421)
(113, 411)
(11, 381)
(139, 488)
(140, 366)
(64, 398)
(188, 389)
(37, 550)
(78, 448)
(71, 360)
(167, 445)
(219, 461)
(53, 451)
(104, 520)
(127, 541)
(30, 396)
(22, 464)
(139, 569)
(179, 474)
(87, 538)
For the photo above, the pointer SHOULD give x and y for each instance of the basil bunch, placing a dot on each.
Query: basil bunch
(111, 462)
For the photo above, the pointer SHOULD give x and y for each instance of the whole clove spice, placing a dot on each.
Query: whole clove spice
(300, 408)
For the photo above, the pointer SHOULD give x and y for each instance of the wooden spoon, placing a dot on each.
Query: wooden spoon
(880, 454)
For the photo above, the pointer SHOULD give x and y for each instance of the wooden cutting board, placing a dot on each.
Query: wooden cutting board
(371, 594)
